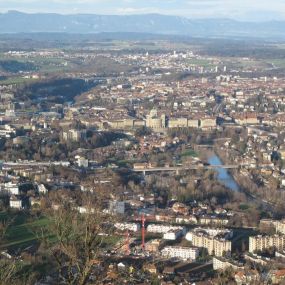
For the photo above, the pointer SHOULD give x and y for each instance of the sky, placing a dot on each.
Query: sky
(252, 10)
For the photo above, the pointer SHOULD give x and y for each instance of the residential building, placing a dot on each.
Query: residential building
(153, 245)
(12, 188)
(128, 226)
(221, 263)
(16, 203)
(184, 253)
(117, 207)
(263, 242)
(162, 229)
(74, 135)
(215, 245)
(280, 227)
(173, 235)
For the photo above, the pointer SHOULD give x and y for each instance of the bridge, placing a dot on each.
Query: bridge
(11, 164)
(202, 167)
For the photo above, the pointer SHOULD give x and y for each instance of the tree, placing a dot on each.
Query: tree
(9, 268)
(77, 251)
(142, 131)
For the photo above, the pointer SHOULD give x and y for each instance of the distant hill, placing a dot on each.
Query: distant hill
(17, 22)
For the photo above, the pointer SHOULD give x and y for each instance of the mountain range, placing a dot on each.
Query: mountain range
(18, 22)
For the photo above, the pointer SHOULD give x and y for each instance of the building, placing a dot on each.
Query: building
(247, 277)
(16, 203)
(208, 123)
(218, 246)
(192, 123)
(277, 276)
(220, 263)
(85, 210)
(151, 268)
(74, 135)
(116, 207)
(128, 226)
(180, 208)
(12, 188)
(178, 123)
(212, 220)
(246, 119)
(42, 189)
(82, 162)
(225, 233)
(35, 202)
(153, 245)
(155, 122)
(173, 235)
(126, 123)
(191, 219)
(162, 229)
(184, 253)
(280, 227)
(263, 242)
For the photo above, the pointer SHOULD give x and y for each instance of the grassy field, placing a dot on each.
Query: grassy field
(17, 80)
(22, 232)
(279, 63)
(189, 152)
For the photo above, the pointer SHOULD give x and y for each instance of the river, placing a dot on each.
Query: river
(223, 175)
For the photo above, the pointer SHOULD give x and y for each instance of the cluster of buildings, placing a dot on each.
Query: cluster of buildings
(251, 111)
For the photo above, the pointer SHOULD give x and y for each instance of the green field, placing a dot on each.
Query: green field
(189, 152)
(279, 63)
(17, 80)
(22, 232)
(200, 62)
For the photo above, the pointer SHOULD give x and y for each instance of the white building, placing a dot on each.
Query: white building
(184, 253)
(16, 203)
(85, 210)
(82, 162)
(42, 189)
(162, 229)
(173, 235)
(220, 263)
(227, 234)
(12, 188)
(128, 226)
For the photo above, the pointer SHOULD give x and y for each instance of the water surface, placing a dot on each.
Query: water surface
(223, 176)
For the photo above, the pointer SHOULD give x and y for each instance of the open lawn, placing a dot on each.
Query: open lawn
(17, 80)
(189, 152)
(22, 231)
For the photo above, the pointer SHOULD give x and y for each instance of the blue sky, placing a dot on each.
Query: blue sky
(256, 10)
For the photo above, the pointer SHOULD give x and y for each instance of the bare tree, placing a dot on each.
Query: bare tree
(79, 238)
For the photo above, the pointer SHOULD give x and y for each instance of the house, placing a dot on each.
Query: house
(16, 203)
(277, 276)
(151, 268)
(249, 277)
(12, 188)
(35, 201)
(153, 245)
(42, 189)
